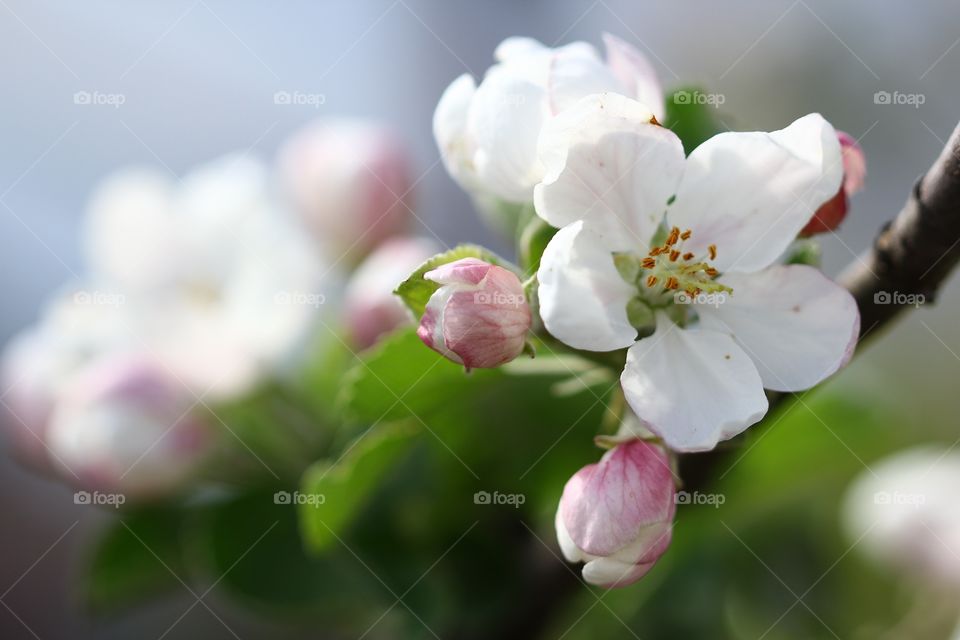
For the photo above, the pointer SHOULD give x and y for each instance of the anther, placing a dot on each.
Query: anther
(713, 251)
(652, 280)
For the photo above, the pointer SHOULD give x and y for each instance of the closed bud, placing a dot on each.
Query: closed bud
(829, 216)
(124, 426)
(371, 308)
(617, 515)
(350, 181)
(479, 317)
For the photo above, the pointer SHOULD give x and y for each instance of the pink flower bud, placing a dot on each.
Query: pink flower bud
(479, 317)
(829, 216)
(617, 515)
(124, 426)
(372, 309)
(351, 183)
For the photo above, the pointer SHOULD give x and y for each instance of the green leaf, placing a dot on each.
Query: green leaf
(334, 491)
(137, 558)
(249, 547)
(401, 378)
(415, 291)
(692, 114)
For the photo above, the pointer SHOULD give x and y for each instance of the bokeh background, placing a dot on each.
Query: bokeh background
(199, 77)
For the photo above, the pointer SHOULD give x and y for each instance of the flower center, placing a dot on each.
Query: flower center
(669, 268)
(670, 279)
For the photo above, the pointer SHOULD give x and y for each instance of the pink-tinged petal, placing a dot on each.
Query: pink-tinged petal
(608, 506)
(635, 73)
(583, 299)
(479, 317)
(854, 163)
(750, 194)
(798, 326)
(692, 387)
(632, 563)
(463, 271)
(831, 213)
(370, 307)
(605, 162)
(450, 131)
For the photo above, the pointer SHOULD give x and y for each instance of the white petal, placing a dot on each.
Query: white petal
(751, 193)
(583, 299)
(505, 119)
(568, 547)
(635, 73)
(450, 130)
(576, 71)
(796, 324)
(607, 572)
(692, 387)
(516, 47)
(605, 162)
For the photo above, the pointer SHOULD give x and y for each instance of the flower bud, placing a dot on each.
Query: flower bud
(617, 515)
(479, 317)
(372, 309)
(350, 181)
(122, 425)
(829, 216)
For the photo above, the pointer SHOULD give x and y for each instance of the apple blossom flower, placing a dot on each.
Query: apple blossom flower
(617, 515)
(479, 317)
(222, 285)
(40, 361)
(123, 425)
(829, 216)
(681, 253)
(351, 183)
(487, 134)
(904, 514)
(371, 308)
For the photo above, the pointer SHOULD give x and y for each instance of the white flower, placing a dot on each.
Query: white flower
(904, 512)
(487, 134)
(221, 285)
(697, 276)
